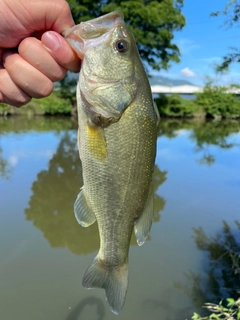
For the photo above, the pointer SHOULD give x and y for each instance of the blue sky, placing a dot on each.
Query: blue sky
(203, 42)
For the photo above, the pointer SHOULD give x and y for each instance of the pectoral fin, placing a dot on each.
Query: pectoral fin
(96, 142)
(82, 210)
(143, 224)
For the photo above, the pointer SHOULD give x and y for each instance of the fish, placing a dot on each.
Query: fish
(117, 146)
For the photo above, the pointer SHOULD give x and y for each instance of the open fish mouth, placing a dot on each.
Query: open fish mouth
(91, 32)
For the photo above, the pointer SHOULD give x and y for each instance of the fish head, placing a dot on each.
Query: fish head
(109, 54)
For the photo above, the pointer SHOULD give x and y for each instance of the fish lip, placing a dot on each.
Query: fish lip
(97, 27)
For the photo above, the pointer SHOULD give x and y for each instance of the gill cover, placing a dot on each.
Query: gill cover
(106, 83)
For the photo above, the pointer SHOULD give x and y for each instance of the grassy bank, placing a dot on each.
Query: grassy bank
(52, 105)
(213, 102)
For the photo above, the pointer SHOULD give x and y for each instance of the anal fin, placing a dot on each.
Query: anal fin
(82, 210)
(143, 224)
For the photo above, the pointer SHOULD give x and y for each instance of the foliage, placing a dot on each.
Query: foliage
(219, 312)
(67, 89)
(215, 101)
(152, 23)
(231, 11)
(53, 104)
(4, 109)
(175, 106)
(232, 14)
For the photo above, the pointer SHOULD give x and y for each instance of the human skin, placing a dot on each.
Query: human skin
(33, 54)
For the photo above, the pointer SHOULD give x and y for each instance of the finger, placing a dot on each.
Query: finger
(32, 51)
(10, 92)
(60, 50)
(26, 77)
(23, 18)
(56, 13)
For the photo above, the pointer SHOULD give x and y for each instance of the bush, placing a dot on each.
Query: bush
(175, 106)
(50, 105)
(4, 109)
(217, 102)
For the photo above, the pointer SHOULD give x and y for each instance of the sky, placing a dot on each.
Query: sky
(203, 42)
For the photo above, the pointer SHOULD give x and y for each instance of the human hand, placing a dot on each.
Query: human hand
(28, 65)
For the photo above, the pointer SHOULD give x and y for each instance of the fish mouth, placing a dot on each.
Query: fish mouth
(91, 32)
(96, 27)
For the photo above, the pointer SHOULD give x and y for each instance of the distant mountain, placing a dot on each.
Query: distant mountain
(163, 81)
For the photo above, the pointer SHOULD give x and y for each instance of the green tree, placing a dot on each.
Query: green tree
(153, 24)
(232, 14)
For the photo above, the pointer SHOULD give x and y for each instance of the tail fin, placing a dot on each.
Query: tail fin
(113, 280)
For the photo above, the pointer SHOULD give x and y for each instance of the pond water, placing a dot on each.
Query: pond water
(185, 262)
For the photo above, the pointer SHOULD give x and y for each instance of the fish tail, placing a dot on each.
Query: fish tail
(113, 279)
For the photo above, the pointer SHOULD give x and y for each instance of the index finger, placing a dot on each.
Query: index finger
(60, 50)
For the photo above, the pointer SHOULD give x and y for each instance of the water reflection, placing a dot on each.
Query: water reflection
(220, 278)
(19, 124)
(5, 169)
(195, 196)
(92, 301)
(214, 133)
(54, 192)
(204, 134)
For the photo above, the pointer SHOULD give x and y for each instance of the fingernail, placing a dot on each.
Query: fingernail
(51, 40)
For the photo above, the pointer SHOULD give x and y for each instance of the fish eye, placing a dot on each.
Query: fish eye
(122, 46)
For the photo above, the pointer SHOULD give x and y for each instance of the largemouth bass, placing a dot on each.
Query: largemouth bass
(117, 146)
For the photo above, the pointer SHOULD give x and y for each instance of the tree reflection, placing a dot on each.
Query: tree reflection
(214, 133)
(4, 166)
(18, 124)
(221, 267)
(204, 134)
(53, 195)
(169, 127)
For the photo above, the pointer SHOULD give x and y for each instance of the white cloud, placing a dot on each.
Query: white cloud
(186, 46)
(211, 59)
(181, 132)
(17, 155)
(186, 72)
(13, 160)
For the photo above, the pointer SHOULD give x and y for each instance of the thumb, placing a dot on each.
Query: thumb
(60, 50)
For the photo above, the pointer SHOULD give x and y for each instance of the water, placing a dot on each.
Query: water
(44, 252)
